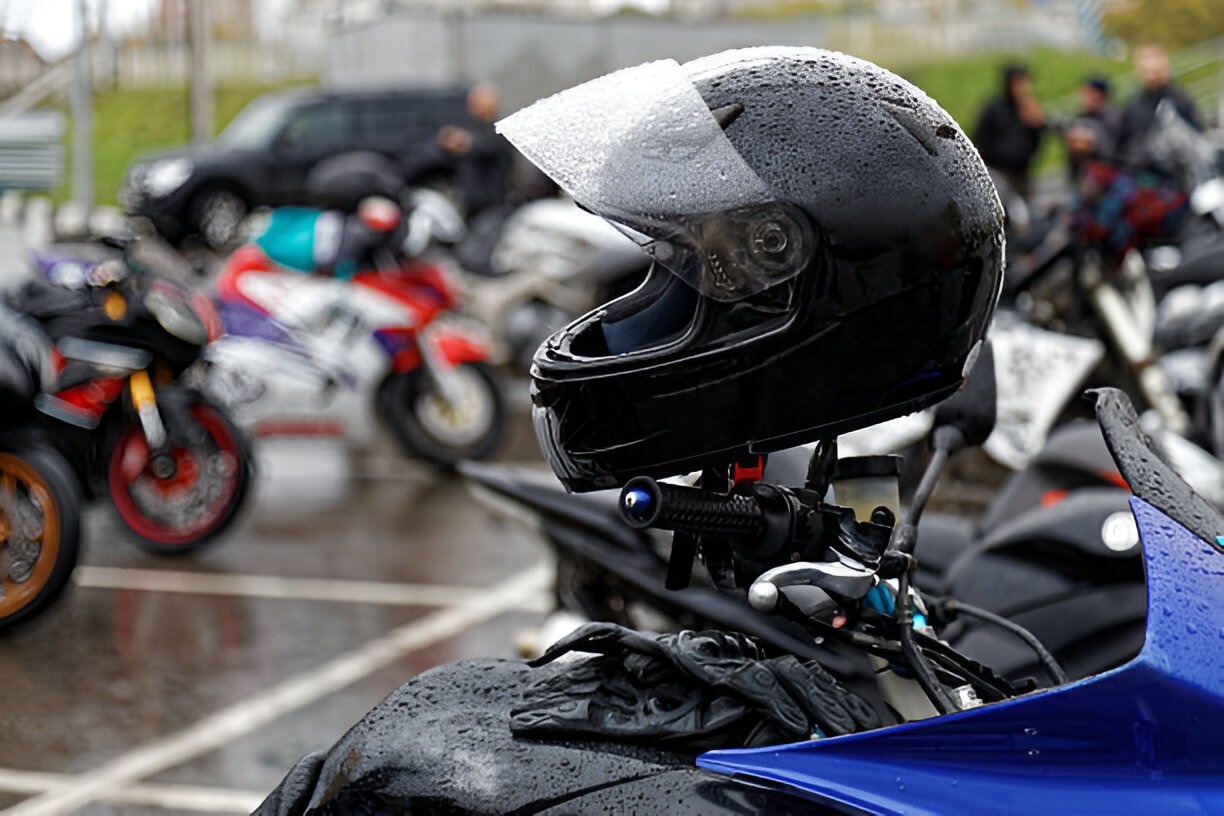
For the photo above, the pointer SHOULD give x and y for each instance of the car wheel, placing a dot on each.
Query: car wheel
(217, 214)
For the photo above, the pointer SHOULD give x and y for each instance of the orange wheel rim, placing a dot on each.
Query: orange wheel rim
(18, 481)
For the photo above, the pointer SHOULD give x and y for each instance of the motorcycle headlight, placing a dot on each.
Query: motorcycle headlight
(175, 314)
(166, 176)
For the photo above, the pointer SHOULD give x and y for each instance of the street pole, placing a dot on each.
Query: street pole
(201, 75)
(82, 118)
(106, 63)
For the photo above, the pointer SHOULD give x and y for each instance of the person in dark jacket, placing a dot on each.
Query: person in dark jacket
(1097, 107)
(483, 159)
(1093, 135)
(1139, 115)
(1009, 130)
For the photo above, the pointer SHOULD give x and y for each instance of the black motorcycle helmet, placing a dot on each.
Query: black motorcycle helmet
(828, 251)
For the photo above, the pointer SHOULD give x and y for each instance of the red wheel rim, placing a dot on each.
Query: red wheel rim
(129, 477)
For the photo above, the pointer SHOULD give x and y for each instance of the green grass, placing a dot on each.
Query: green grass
(131, 121)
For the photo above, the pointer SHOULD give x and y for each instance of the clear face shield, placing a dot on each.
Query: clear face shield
(641, 148)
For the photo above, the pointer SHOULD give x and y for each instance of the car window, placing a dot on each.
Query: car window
(316, 126)
(258, 123)
(400, 122)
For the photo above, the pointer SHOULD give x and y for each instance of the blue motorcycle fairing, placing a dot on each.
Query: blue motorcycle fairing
(1142, 738)
(289, 239)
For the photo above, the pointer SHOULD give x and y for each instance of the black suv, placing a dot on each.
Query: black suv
(265, 155)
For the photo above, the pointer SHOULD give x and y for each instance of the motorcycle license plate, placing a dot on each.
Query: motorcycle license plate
(1037, 373)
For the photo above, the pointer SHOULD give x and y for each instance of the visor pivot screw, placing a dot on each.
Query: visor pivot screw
(771, 239)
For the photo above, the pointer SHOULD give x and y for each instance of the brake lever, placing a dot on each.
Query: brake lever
(834, 579)
(804, 603)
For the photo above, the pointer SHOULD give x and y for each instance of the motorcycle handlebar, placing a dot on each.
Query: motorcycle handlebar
(646, 503)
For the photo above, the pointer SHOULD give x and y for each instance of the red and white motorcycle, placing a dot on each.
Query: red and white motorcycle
(309, 353)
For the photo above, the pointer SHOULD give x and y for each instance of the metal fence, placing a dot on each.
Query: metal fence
(529, 55)
(168, 64)
(31, 150)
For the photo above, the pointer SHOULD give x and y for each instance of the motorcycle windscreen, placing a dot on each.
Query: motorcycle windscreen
(641, 148)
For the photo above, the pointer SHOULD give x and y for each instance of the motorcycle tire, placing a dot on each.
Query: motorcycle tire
(217, 213)
(431, 429)
(38, 550)
(165, 514)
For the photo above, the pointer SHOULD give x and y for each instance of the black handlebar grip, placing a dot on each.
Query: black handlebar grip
(647, 503)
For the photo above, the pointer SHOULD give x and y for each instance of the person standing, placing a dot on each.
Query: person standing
(1092, 135)
(1097, 108)
(1139, 115)
(1009, 130)
(1145, 195)
(483, 160)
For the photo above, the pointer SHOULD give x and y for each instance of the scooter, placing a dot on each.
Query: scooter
(121, 409)
(632, 725)
(305, 353)
(40, 497)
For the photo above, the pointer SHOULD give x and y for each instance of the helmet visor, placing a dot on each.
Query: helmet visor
(641, 148)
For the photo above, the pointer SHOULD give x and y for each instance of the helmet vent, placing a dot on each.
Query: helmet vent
(727, 114)
(908, 119)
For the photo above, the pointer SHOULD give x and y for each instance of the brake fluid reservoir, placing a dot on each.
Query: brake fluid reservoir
(863, 483)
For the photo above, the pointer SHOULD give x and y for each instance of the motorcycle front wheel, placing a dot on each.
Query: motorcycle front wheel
(176, 510)
(40, 529)
(445, 432)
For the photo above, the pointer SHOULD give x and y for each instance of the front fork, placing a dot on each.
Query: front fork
(161, 463)
(1131, 335)
(442, 350)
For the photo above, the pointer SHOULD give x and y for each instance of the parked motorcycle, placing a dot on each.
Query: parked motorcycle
(121, 410)
(755, 348)
(40, 498)
(1076, 321)
(390, 760)
(305, 353)
(1105, 268)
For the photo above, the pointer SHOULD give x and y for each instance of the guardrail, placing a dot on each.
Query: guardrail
(54, 80)
(32, 150)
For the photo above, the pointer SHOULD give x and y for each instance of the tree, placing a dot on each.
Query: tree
(1171, 23)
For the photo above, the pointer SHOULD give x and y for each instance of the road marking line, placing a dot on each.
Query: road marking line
(285, 588)
(31, 781)
(179, 798)
(168, 797)
(245, 716)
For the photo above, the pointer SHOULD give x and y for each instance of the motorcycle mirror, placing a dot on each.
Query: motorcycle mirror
(967, 418)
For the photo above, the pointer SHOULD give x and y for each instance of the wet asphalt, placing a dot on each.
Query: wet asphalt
(191, 684)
